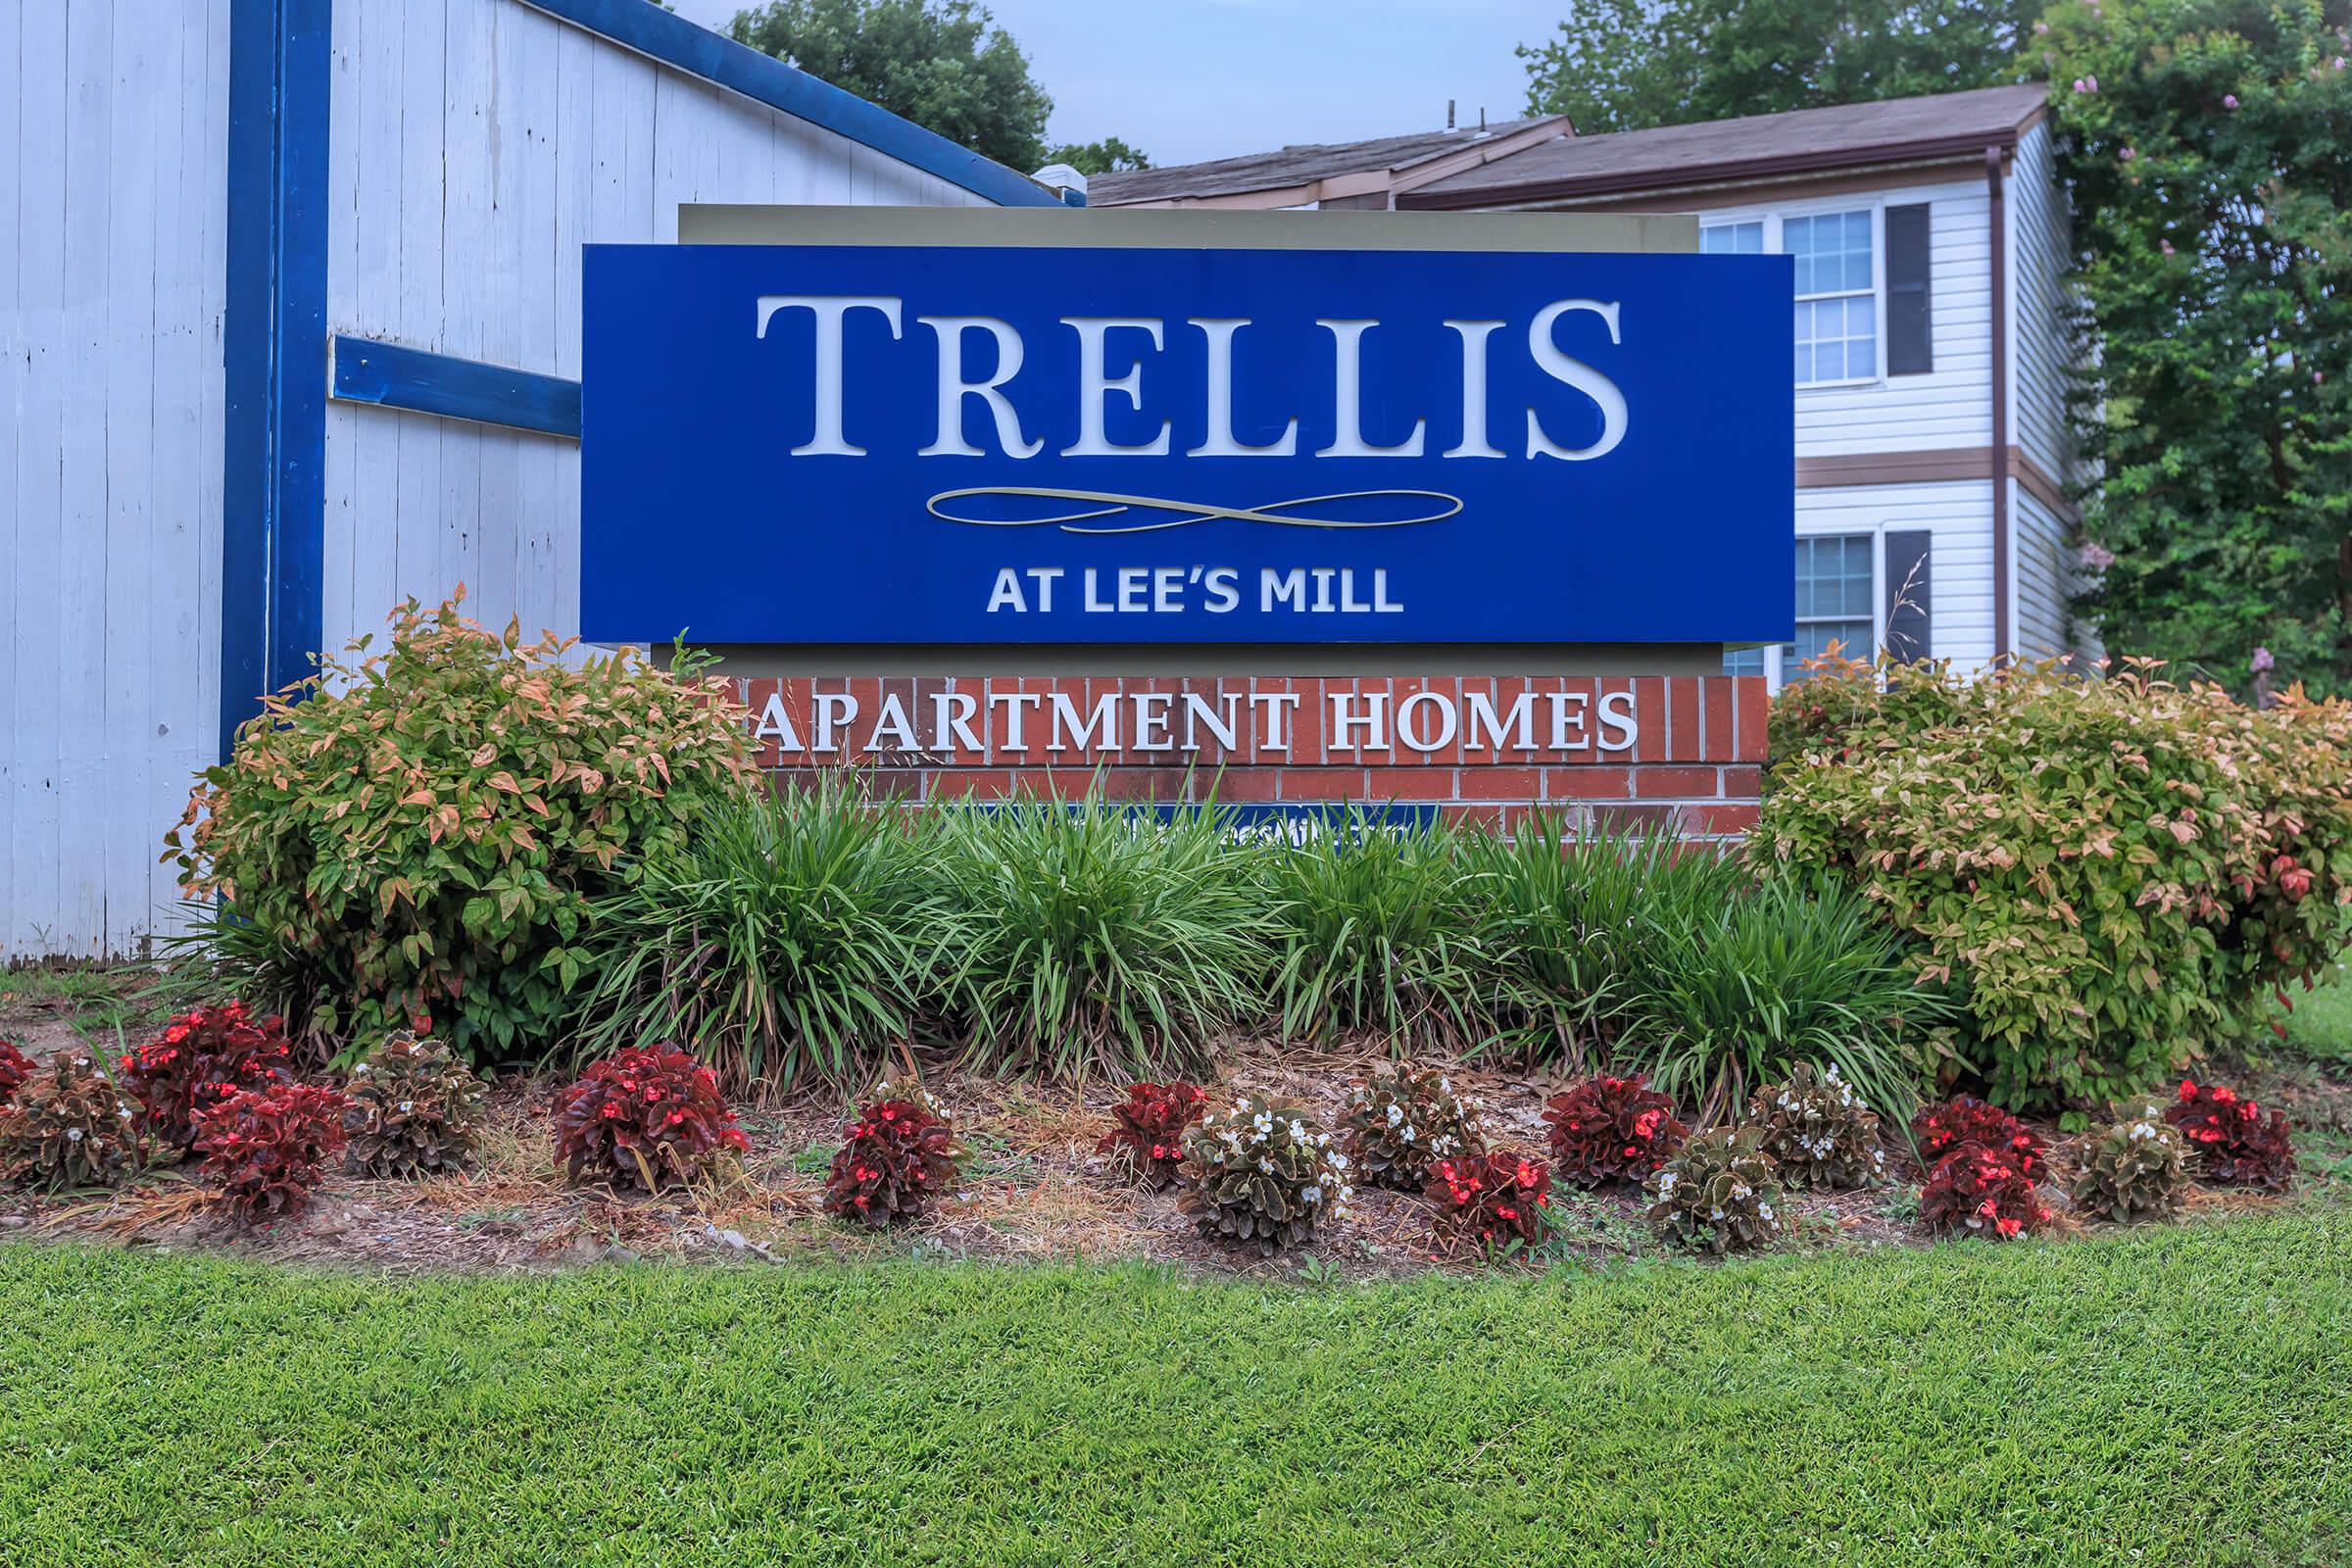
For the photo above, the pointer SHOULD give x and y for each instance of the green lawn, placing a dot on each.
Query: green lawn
(2319, 1026)
(2178, 1397)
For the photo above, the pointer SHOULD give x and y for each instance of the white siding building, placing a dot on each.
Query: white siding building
(1929, 341)
(289, 329)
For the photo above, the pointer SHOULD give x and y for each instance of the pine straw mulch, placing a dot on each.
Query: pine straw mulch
(1034, 1188)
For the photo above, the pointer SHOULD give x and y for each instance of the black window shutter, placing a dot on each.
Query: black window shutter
(1910, 338)
(1910, 596)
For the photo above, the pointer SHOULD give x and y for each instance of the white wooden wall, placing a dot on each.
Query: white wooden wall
(112, 186)
(475, 146)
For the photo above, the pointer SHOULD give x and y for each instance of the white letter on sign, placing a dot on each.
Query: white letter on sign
(1578, 374)
(1348, 364)
(1094, 387)
(954, 388)
(1220, 442)
(829, 309)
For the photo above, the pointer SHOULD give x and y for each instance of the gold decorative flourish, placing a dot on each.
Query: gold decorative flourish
(1108, 504)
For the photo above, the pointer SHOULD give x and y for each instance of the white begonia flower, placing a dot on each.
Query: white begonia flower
(1718, 1214)
(1314, 1195)
(1298, 1133)
(1666, 1182)
(72, 1135)
(1444, 1084)
(1740, 1189)
(1322, 1140)
(1339, 1161)
(1266, 1164)
(1395, 1113)
(407, 1104)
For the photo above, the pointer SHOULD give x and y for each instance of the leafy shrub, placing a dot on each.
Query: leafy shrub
(2131, 1171)
(13, 1070)
(1401, 1121)
(647, 1117)
(1966, 1122)
(1977, 1190)
(898, 1156)
(2236, 1144)
(200, 1059)
(265, 1149)
(415, 1109)
(790, 936)
(1721, 1192)
(1097, 940)
(1260, 1171)
(1779, 976)
(411, 840)
(2115, 869)
(68, 1126)
(1376, 934)
(1818, 1131)
(1607, 1129)
(1146, 1140)
(1491, 1196)
(1573, 922)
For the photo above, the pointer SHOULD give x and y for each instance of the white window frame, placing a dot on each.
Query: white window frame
(1775, 675)
(1823, 207)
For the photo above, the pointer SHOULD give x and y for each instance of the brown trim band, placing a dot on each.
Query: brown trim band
(1933, 465)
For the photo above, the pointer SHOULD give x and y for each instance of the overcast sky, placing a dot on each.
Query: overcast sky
(1191, 80)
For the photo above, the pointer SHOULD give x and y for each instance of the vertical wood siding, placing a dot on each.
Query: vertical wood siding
(476, 145)
(112, 217)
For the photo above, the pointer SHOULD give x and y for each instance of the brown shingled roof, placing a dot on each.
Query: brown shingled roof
(1754, 146)
(1291, 165)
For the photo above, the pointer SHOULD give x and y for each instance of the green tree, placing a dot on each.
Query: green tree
(943, 63)
(1109, 156)
(2208, 144)
(1629, 65)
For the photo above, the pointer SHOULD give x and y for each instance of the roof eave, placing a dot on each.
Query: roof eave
(1934, 149)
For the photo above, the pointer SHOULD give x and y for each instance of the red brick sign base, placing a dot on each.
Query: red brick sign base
(1680, 751)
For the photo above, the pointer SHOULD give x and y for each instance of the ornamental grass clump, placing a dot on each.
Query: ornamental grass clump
(68, 1126)
(262, 1151)
(2236, 1144)
(1795, 971)
(1818, 1131)
(1401, 1121)
(2115, 871)
(1492, 1198)
(1377, 931)
(13, 1070)
(415, 1110)
(1721, 1193)
(199, 1059)
(647, 1117)
(898, 1156)
(791, 936)
(2130, 1172)
(1608, 1129)
(1260, 1172)
(1966, 1122)
(1574, 919)
(1145, 1141)
(411, 838)
(1977, 1191)
(1090, 939)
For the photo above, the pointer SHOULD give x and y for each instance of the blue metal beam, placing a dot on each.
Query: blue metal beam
(423, 383)
(274, 499)
(674, 41)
